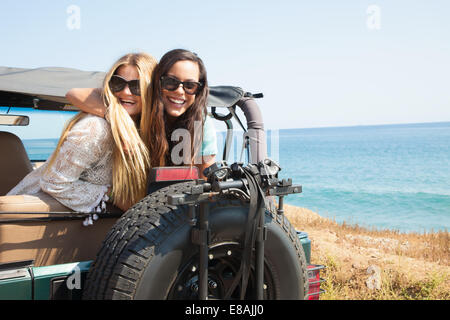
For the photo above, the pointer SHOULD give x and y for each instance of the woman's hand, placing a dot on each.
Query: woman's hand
(207, 162)
(124, 206)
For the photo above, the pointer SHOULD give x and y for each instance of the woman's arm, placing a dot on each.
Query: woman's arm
(87, 143)
(209, 145)
(88, 100)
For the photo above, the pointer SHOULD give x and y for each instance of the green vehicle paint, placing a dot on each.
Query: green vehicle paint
(44, 283)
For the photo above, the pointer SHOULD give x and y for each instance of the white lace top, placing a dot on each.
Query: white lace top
(82, 171)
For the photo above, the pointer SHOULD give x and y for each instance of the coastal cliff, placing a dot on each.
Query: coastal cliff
(375, 264)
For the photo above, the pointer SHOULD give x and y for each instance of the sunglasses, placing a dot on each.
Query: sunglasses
(117, 83)
(172, 84)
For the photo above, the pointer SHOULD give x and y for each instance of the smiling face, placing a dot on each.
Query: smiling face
(178, 101)
(131, 103)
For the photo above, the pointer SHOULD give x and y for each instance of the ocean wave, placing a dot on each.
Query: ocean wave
(371, 190)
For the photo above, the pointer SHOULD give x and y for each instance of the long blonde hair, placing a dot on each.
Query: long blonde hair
(130, 167)
(131, 159)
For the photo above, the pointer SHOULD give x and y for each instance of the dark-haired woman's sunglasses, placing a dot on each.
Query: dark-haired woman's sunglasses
(172, 84)
(117, 83)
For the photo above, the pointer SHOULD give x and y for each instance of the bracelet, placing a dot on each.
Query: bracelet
(110, 196)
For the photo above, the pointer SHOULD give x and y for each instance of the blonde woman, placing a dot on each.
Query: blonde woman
(98, 160)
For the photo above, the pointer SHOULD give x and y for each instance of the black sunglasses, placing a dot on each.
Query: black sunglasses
(172, 84)
(117, 83)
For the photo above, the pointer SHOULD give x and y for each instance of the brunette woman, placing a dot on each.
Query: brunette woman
(178, 97)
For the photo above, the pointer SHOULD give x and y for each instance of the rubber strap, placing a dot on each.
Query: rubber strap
(256, 203)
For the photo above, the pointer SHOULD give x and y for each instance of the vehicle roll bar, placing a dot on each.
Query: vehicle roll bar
(254, 135)
(255, 129)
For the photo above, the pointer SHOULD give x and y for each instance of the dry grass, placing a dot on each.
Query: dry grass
(412, 265)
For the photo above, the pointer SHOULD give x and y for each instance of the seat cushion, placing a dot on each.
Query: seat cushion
(40, 202)
(14, 162)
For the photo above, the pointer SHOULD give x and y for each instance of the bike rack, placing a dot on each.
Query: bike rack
(197, 199)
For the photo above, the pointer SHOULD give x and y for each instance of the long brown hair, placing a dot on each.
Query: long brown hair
(155, 131)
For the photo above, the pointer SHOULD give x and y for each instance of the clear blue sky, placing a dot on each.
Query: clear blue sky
(319, 63)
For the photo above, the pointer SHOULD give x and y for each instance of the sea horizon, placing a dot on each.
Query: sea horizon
(367, 125)
(351, 126)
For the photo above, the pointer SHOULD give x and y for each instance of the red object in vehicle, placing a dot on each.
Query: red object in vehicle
(314, 281)
(161, 174)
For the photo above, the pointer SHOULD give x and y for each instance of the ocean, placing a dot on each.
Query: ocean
(386, 176)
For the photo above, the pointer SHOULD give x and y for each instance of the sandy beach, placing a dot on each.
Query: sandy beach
(376, 264)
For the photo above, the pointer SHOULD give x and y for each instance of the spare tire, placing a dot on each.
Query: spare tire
(148, 254)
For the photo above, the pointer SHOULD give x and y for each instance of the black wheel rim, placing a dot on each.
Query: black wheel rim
(223, 266)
